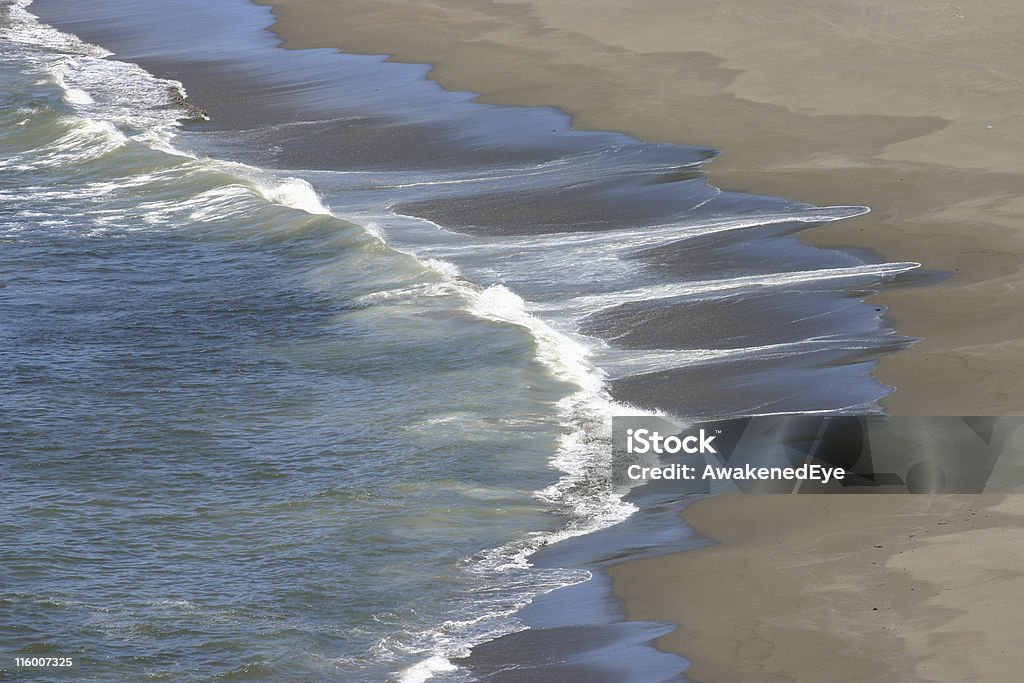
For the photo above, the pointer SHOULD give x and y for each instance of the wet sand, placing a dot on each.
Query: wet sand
(912, 110)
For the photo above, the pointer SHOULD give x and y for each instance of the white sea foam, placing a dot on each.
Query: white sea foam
(627, 363)
(426, 669)
(623, 241)
(24, 27)
(596, 302)
(295, 193)
(584, 453)
(71, 94)
(446, 268)
(582, 493)
(375, 230)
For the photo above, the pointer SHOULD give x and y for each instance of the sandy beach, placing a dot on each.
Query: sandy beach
(814, 588)
(913, 110)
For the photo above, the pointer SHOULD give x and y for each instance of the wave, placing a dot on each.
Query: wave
(107, 130)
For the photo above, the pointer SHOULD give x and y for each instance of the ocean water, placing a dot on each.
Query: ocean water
(303, 358)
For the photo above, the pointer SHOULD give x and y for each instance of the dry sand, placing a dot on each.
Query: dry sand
(914, 109)
(842, 588)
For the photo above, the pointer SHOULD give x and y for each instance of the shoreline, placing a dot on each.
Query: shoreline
(834, 525)
(933, 163)
(256, 85)
(922, 130)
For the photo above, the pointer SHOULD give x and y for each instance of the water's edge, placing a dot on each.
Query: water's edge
(648, 324)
